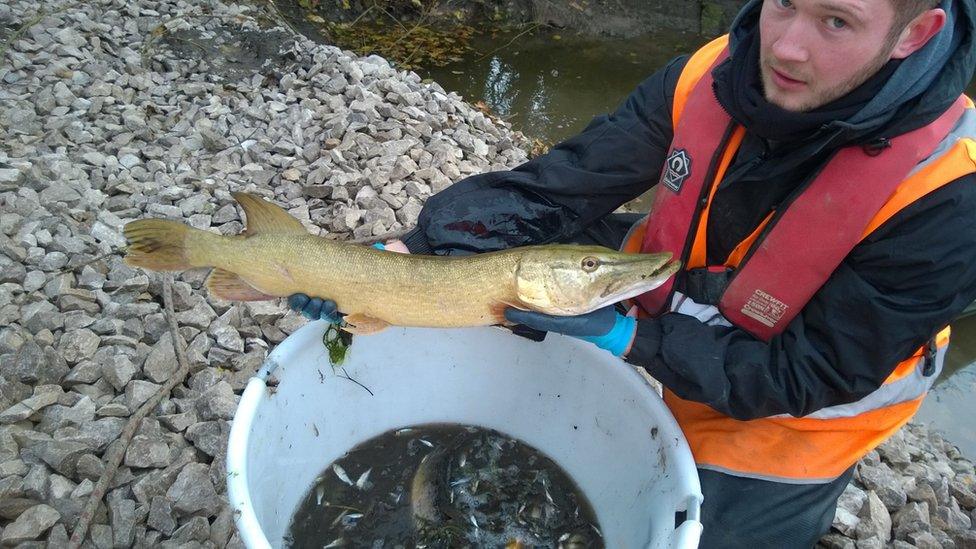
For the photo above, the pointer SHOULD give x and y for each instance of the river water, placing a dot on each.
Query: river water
(550, 86)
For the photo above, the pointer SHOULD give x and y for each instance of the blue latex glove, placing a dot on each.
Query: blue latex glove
(605, 328)
(315, 308)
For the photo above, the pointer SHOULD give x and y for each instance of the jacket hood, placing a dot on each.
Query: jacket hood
(923, 86)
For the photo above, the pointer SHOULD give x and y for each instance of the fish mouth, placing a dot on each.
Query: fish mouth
(628, 287)
(636, 281)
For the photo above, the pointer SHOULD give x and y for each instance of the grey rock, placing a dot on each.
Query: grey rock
(60, 455)
(161, 362)
(44, 395)
(85, 372)
(875, 519)
(222, 527)
(161, 516)
(13, 467)
(137, 392)
(196, 529)
(950, 520)
(193, 492)
(118, 370)
(113, 409)
(12, 391)
(144, 452)
(217, 402)
(924, 540)
(13, 507)
(837, 541)
(89, 467)
(101, 536)
(965, 540)
(209, 437)
(122, 518)
(30, 525)
(178, 423)
(37, 483)
(964, 493)
(58, 537)
(37, 366)
(914, 517)
(228, 338)
(78, 344)
(56, 417)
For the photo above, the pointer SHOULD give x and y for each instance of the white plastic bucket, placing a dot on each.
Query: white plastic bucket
(589, 411)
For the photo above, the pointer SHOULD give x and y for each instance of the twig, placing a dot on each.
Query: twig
(115, 251)
(531, 28)
(361, 15)
(345, 375)
(284, 19)
(23, 28)
(113, 457)
(391, 16)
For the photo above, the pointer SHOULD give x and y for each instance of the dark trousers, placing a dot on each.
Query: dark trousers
(756, 514)
(737, 511)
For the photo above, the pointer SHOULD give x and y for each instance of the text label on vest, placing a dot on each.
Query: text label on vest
(764, 308)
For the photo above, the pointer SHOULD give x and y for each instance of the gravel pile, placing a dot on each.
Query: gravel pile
(115, 110)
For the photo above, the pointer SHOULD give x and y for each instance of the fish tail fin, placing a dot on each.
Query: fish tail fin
(158, 245)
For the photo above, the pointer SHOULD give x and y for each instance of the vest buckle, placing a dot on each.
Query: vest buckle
(931, 353)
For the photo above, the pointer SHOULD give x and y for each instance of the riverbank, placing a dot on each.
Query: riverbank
(116, 110)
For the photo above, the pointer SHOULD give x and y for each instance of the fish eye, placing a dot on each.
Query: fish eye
(590, 264)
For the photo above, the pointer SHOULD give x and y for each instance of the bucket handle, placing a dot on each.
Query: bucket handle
(688, 533)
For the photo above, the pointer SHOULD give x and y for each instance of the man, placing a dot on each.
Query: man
(819, 188)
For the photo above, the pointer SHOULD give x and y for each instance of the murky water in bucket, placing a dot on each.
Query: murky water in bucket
(442, 486)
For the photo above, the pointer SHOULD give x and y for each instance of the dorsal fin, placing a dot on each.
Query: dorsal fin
(263, 217)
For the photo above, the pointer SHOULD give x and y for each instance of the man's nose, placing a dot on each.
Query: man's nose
(792, 44)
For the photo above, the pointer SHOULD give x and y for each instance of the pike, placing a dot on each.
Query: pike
(275, 257)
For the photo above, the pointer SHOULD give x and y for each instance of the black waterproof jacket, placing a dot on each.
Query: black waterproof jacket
(892, 293)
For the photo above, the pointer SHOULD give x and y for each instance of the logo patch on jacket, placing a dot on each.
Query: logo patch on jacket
(677, 168)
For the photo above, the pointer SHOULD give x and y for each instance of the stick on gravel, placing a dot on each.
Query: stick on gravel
(113, 457)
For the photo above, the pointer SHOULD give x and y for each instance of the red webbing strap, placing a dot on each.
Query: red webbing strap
(821, 227)
(697, 138)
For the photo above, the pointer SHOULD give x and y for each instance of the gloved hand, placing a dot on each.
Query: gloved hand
(315, 308)
(606, 328)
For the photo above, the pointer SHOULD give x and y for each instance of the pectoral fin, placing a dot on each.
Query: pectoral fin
(498, 311)
(360, 324)
(227, 285)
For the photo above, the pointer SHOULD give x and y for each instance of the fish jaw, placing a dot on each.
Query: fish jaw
(573, 280)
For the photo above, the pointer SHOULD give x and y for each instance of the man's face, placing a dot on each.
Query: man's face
(814, 51)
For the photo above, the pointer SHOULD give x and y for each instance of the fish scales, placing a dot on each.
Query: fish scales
(401, 289)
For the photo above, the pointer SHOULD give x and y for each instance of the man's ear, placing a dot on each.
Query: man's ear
(919, 32)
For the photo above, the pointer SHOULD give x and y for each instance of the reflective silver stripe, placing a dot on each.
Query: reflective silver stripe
(707, 314)
(964, 128)
(907, 388)
(783, 480)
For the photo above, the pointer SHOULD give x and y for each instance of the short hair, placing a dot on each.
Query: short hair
(905, 12)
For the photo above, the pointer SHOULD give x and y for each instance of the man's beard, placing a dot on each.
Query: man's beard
(823, 96)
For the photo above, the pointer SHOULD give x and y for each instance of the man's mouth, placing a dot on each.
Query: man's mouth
(784, 80)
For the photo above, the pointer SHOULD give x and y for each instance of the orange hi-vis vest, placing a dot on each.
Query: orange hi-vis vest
(777, 268)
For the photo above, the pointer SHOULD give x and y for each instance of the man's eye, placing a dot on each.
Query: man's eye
(836, 23)
(785, 3)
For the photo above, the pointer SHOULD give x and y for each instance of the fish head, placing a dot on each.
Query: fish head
(573, 280)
